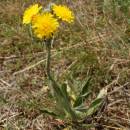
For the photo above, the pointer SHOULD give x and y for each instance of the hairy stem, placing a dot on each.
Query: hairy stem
(48, 60)
(58, 94)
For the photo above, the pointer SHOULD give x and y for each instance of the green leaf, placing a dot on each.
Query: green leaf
(80, 99)
(66, 102)
(85, 87)
(48, 112)
(81, 108)
(64, 91)
(85, 92)
(97, 102)
(94, 106)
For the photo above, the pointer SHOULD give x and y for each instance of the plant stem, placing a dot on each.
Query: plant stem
(58, 94)
(54, 84)
(48, 60)
(48, 46)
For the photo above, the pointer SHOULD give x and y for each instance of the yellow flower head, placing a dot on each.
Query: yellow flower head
(30, 12)
(45, 25)
(63, 13)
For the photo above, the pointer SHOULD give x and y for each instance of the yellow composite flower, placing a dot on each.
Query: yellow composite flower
(30, 12)
(45, 25)
(63, 13)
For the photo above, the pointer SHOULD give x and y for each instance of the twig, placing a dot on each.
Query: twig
(111, 127)
(119, 88)
(5, 83)
(7, 58)
(115, 102)
(32, 66)
(126, 98)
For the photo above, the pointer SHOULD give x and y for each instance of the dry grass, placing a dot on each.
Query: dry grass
(97, 45)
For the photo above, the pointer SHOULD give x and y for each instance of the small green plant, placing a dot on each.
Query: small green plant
(44, 24)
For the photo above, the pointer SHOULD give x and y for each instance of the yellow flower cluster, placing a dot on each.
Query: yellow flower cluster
(45, 24)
